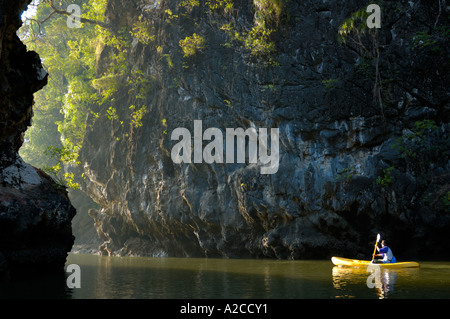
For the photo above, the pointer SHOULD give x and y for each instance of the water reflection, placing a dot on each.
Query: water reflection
(181, 278)
(141, 277)
(349, 281)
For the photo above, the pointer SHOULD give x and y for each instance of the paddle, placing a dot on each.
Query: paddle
(375, 249)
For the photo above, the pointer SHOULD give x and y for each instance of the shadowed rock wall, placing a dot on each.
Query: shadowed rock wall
(35, 214)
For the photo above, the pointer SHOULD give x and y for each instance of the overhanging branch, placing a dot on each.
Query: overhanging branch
(64, 12)
(83, 20)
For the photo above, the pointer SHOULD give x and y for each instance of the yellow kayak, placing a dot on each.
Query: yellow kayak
(339, 261)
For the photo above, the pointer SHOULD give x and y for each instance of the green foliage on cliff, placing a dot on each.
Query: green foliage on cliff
(68, 55)
(226, 5)
(63, 156)
(143, 31)
(258, 40)
(446, 200)
(431, 39)
(189, 4)
(81, 84)
(422, 145)
(89, 70)
(346, 174)
(354, 25)
(354, 33)
(386, 179)
(190, 45)
(137, 115)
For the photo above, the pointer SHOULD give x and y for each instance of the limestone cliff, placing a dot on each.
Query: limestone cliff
(35, 215)
(363, 132)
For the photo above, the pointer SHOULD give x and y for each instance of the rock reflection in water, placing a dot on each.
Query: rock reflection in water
(349, 281)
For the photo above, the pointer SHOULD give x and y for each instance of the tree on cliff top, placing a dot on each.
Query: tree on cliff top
(68, 55)
(87, 65)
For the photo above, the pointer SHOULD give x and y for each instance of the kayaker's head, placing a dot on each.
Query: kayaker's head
(383, 243)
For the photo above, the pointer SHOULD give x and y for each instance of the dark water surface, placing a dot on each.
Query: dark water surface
(149, 278)
(201, 278)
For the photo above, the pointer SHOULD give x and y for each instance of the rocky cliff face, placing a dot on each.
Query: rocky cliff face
(35, 215)
(340, 108)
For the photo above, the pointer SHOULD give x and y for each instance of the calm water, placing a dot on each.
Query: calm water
(175, 278)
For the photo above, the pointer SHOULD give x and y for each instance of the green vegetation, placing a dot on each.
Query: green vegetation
(424, 147)
(143, 31)
(89, 71)
(330, 83)
(106, 86)
(139, 85)
(164, 124)
(267, 18)
(268, 11)
(422, 39)
(386, 179)
(446, 201)
(431, 39)
(62, 156)
(258, 40)
(353, 32)
(137, 115)
(354, 28)
(170, 15)
(190, 45)
(189, 4)
(226, 5)
(81, 84)
(346, 174)
(419, 146)
(259, 43)
(60, 109)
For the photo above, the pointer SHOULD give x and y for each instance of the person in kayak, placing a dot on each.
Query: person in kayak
(386, 253)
